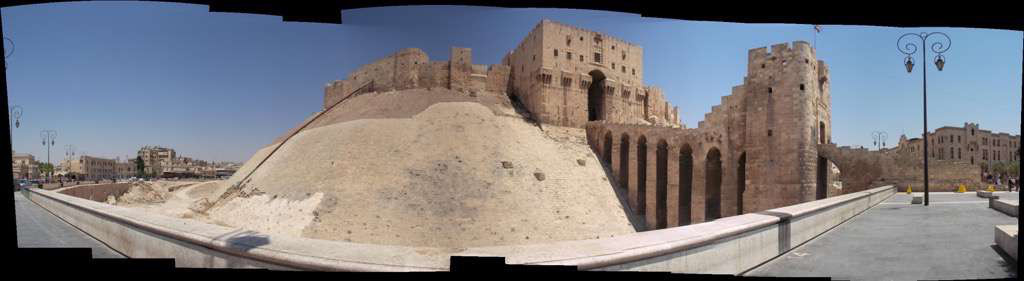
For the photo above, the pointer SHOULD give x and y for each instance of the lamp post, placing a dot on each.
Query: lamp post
(909, 49)
(879, 137)
(15, 117)
(49, 139)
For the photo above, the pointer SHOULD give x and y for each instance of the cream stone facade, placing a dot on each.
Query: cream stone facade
(25, 166)
(969, 144)
(757, 150)
(92, 168)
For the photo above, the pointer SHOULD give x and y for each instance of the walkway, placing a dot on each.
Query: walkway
(38, 228)
(952, 238)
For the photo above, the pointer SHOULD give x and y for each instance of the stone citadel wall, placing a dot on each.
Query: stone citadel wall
(411, 68)
(757, 150)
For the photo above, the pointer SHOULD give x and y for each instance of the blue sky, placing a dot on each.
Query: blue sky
(111, 77)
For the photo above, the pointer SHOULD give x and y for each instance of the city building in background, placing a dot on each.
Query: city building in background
(25, 166)
(969, 144)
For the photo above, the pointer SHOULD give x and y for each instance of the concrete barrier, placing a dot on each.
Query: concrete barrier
(987, 194)
(96, 192)
(1008, 207)
(729, 245)
(1006, 238)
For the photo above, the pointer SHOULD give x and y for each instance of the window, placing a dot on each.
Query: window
(769, 133)
(534, 57)
(801, 87)
(568, 40)
(625, 93)
(623, 55)
(634, 72)
(568, 55)
(623, 69)
(581, 57)
(613, 47)
(566, 82)
(958, 139)
(762, 65)
(597, 57)
(556, 53)
(769, 90)
(807, 61)
(613, 66)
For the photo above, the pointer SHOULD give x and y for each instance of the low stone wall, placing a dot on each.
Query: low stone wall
(729, 245)
(1006, 239)
(97, 192)
(1008, 207)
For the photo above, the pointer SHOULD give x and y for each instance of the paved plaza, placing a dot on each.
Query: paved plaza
(952, 238)
(38, 228)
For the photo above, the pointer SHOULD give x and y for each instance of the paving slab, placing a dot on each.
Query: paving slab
(38, 228)
(895, 240)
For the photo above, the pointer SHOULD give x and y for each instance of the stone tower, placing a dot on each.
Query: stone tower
(788, 114)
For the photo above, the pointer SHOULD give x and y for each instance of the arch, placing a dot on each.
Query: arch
(713, 185)
(685, 184)
(641, 175)
(821, 190)
(624, 161)
(741, 182)
(661, 185)
(595, 97)
(821, 132)
(606, 152)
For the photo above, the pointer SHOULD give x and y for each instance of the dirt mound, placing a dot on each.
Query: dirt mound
(429, 172)
(143, 193)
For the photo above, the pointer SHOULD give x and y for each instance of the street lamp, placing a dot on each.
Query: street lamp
(15, 118)
(909, 49)
(49, 139)
(879, 137)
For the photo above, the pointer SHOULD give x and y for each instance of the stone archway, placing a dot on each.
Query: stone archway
(713, 185)
(661, 185)
(641, 175)
(624, 161)
(606, 153)
(595, 97)
(685, 184)
(741, 182)
(821, 188)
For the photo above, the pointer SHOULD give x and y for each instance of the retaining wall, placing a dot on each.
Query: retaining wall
(729, 245)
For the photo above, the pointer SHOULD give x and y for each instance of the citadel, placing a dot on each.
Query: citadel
(755, 151)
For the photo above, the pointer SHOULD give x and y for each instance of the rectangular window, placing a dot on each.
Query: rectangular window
(556, 53)
(581, 57)
(568, 55)
(597, 57)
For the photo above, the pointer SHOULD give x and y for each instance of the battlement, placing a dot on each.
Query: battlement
(410, 68)
(780, 50)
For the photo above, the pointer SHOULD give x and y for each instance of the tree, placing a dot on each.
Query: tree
(140, 166)
(46, 168)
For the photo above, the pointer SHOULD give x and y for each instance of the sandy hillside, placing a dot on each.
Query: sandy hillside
(426, 174)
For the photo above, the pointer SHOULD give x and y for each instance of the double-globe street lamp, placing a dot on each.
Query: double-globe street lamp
(49, 139)
(15, 118)
(909, 49)
(879, 137)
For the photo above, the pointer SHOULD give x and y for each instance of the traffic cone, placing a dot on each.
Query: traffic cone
(961, 189)
(991, 189)
(908, 189)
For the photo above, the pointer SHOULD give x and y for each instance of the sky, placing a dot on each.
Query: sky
(111, 77)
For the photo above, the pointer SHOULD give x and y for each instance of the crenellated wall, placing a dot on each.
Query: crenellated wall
(411, 68)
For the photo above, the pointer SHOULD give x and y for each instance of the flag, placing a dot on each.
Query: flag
(817, 28)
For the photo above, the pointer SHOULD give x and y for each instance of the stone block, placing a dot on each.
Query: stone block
(917, 199)
(1008, 207)
(1006, 239)
(987, 194)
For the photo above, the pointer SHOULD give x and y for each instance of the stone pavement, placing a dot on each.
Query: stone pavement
(952, 238)
(38, 228)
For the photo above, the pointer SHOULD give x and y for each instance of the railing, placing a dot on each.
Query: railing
(729, 245)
